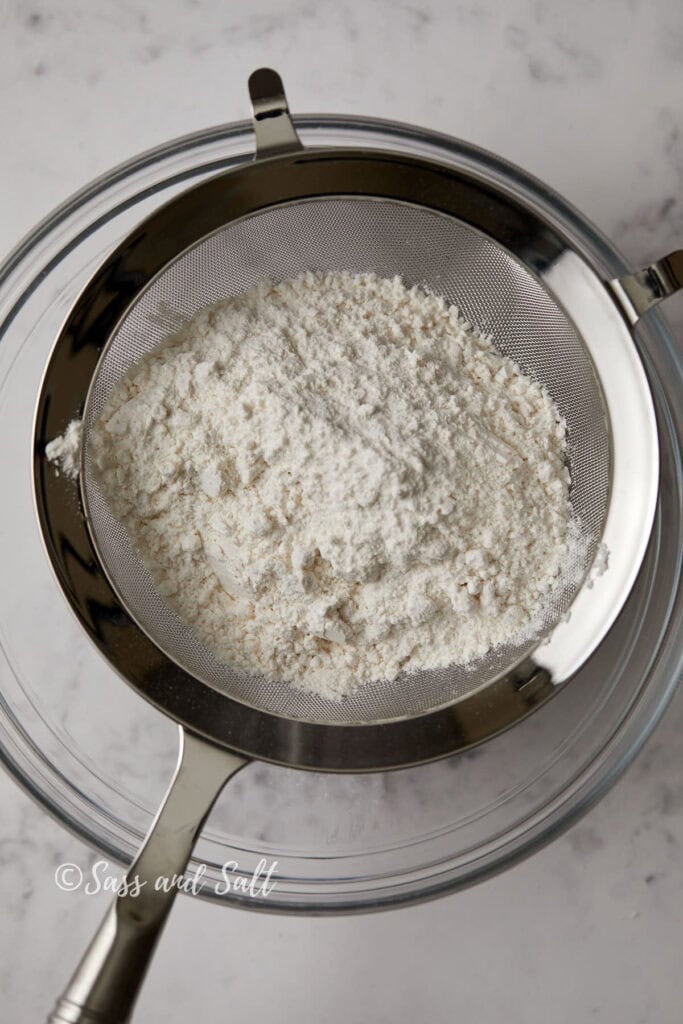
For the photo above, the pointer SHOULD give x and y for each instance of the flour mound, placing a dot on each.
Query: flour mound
(337, 478)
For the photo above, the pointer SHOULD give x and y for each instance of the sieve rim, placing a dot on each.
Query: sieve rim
(449, 728)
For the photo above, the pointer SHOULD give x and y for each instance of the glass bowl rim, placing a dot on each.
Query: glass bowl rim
(590, 785)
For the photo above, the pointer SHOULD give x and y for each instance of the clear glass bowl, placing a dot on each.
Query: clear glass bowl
(98, 757)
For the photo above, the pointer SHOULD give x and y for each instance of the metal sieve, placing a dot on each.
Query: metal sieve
(511, 274)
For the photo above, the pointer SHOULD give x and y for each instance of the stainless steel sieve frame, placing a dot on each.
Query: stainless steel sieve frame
(106, 983)
(283, 173)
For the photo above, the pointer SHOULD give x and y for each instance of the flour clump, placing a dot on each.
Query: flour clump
(65, 450)
(337, 478)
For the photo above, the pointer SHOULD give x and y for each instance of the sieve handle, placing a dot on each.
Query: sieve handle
(639, 292)
(106, 983)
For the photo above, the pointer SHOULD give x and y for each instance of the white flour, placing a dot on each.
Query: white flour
(337, 478)
(65, 451)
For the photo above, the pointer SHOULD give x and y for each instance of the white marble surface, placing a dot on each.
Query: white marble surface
(587, 97)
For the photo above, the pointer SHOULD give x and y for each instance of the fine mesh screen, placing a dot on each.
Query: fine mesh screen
(444, 256)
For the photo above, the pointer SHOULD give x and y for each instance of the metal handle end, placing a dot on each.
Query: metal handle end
(67, 1012)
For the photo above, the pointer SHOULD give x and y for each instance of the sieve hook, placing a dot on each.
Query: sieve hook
(639, 292)
(273, 126)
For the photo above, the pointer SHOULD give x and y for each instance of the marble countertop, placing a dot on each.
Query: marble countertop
(588, 98)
